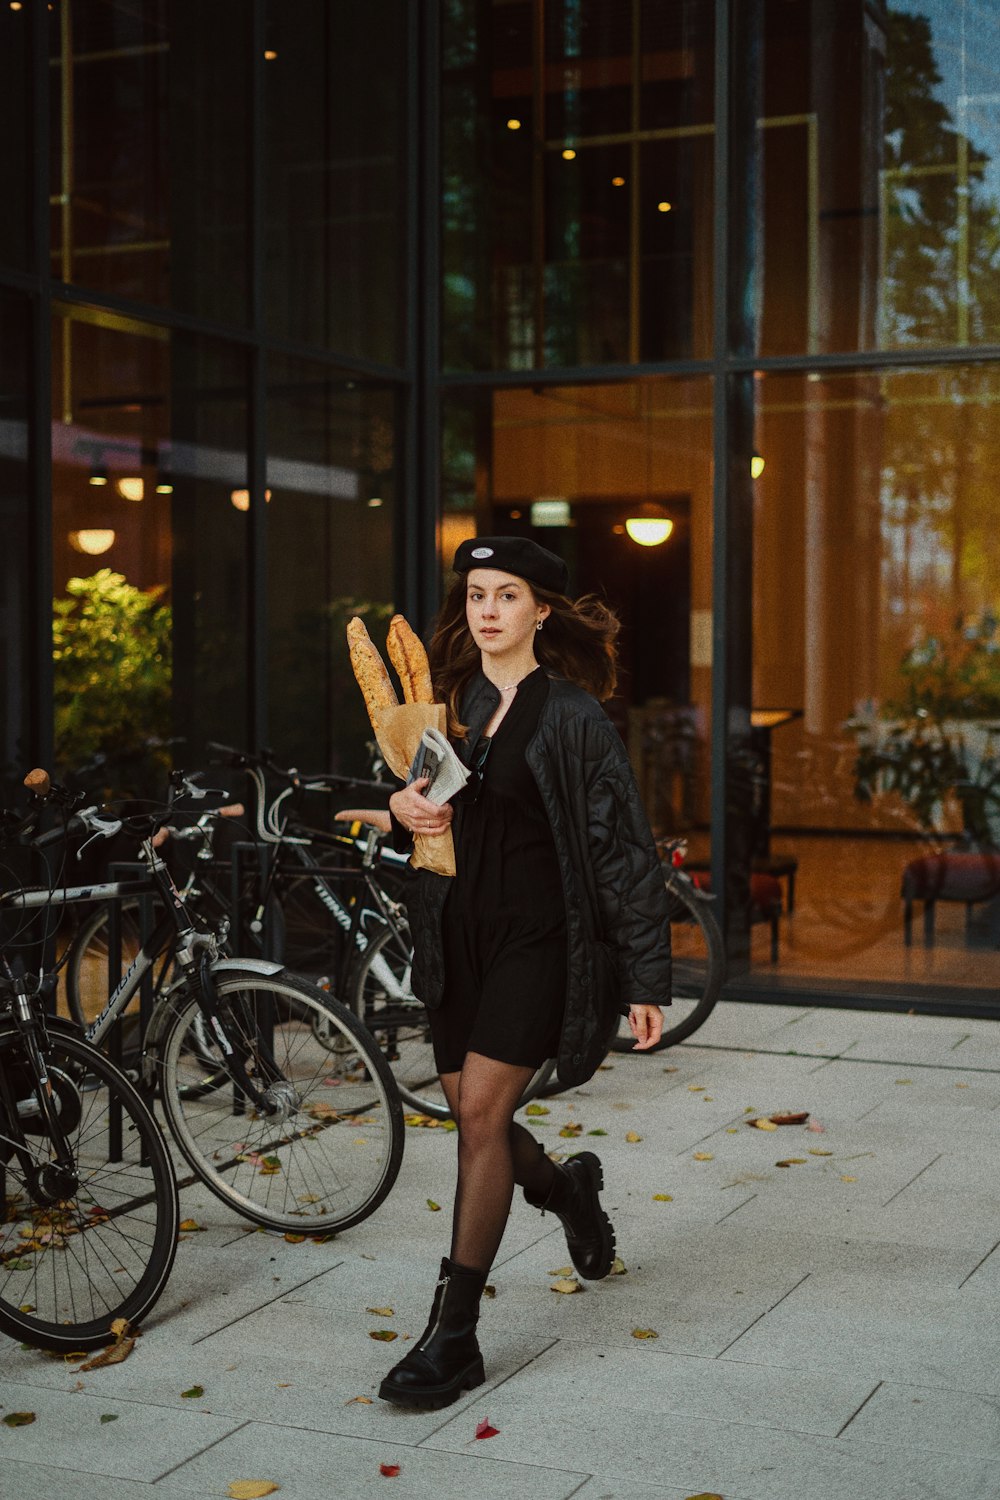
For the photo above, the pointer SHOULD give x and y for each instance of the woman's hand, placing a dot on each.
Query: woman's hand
(646, 1022)
(414, 811)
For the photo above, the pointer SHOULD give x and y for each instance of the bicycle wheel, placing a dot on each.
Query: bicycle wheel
(698, 965)
(77, 1253)
(87, 962)
(382, 997)
(330, 1152)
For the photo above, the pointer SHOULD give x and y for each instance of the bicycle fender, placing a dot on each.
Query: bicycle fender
(264, 966)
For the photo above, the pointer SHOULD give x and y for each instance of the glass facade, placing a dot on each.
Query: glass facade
(294, 298)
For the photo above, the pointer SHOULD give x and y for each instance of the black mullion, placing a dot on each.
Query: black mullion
(406, 571)
(41, 732)
(257, 708)
(427, 403)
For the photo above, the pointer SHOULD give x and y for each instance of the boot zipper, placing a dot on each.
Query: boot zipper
(437, 1321)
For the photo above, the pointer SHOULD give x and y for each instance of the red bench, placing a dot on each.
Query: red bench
(947, 877)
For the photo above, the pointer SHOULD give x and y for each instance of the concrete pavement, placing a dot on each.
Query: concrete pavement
(824, 1330)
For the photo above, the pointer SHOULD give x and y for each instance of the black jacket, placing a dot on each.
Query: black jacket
(618, 926)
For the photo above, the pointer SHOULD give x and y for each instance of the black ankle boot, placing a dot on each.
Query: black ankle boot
(573, 1198)
(446, 1360)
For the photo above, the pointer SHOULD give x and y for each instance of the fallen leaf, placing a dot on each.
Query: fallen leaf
(489, 1290)
(904, 1080)
(791, 1161)
(250, 1489)
(195, 1393)
(732, 1130)
(113, 1355)
(817, 1127)
(703, 1156)
(597, 1132)
(359, 1401)
(819, 1151)
(707, 1099)
(663, 1198)
(295, 1239)
(562, 1271)
(566, 1284)
(283, 1385)
(705, 1496)
(384, 1335)
(109, 1416)
(389, 1470)
(797, 1118)
(434, 1207)
(696, 1088)
(848, 1179)
(671, 1070)
(605, 1067)
(536, 1109)
(632, 1137)
(618, 1267)
(961, 1085)
(485, 1430)
(645, 1333)
(19, 1419)
(573, 1128)
(762, 1124)
(381, 1312)
(190, 1226)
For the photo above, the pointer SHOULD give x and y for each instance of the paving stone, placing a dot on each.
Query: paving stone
(918, 1416)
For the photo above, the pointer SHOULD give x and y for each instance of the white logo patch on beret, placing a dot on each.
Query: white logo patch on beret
(482, 552)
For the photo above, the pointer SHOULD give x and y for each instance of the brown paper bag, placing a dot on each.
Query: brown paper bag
(398, 732)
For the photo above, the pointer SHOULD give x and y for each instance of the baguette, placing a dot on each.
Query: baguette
(407, 654)
(370, 670)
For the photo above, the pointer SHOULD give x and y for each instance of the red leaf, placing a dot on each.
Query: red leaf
(484, 1430)
(389, 1470)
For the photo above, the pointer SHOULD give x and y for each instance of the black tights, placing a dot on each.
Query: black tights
(494, 1153)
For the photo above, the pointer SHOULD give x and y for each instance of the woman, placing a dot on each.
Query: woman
(555, 922)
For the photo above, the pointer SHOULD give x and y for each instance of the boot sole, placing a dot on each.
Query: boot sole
(433, 1397)
(595, 1174)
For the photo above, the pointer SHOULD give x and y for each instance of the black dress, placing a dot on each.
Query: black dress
(504, 922)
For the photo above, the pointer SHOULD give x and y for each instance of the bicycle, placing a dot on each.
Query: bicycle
(698, 956)
(245, 1057)
(89, 1229)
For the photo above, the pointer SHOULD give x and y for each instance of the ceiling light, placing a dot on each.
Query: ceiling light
(617, 182)
(550, 510)
(164, 485)
(93, 542)
(130, 486)
(98, 476)
(664, 206)
(569, 154)
(375, 502)
(756, 466)
(513, 124)
(650, 526)
(270, 55)
(241, 498)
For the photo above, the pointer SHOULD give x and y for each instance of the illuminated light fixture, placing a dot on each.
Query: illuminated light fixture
(650, 526)
(550, 510)
(93, 542)
(375, 502)
(98, 476)
(569, 154)
(513, 124)
(164, 485)
(516, 515)
(270, 55)
(15, 5)
(756, 466)
(617, 182)
(241, 498)
(664, 207)
(130, 487)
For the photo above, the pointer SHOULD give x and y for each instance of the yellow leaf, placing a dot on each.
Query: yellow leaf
(645, 1333)
(566, 1284)
(250, 1489)
(119, 1328)
(791, 1161)
(961, 1085)
(732, 1130)
(662, 1198)
(618, 1267)
(696, 1088)
(671, 1070)
(705, 1496)
(562, 1271)
(308, 1198)
(573, 1128)
(536, 1109)
(190, 1225)
(848, 1179)
(704, 1156)
(818, 1151)
(489, 1290)
(359, 1401)
(434, 1207)
(18, 1419)
(763, 1124)
(295, 1239)
(904, 1080)
(708, 1099)
(111, 1356)
(632, 1137)
(381, 1312)
(384, 1335)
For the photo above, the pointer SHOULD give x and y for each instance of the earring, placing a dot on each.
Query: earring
(539, 625)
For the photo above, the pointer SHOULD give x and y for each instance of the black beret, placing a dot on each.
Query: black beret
(514, 554)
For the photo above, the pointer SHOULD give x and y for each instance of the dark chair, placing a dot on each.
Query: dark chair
(970, 878)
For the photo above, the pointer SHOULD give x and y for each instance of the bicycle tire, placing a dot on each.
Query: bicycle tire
(86, 974)
(382, 998)
(698, 963)
(67, 1270)
(317, 1177)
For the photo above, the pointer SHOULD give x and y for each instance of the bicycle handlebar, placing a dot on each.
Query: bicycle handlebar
(264, 760)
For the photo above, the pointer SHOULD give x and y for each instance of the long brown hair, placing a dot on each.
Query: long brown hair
(577, 642)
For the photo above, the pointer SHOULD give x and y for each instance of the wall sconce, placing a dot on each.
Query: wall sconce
(98, 475)
(92, 542)
(650, 526)
(756, 466)
(241, 499)
(130, 487)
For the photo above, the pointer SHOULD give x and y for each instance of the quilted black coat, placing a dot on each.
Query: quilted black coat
(618, 927)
